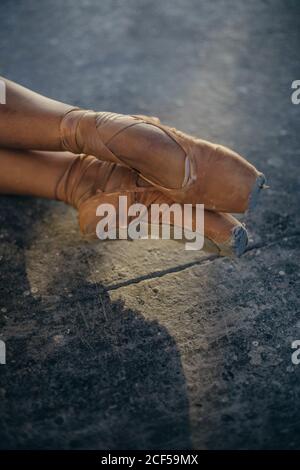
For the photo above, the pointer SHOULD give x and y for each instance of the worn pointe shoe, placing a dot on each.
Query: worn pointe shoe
(87, 183)
(186, 169)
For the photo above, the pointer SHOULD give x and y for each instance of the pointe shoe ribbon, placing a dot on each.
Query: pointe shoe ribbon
(90, 125)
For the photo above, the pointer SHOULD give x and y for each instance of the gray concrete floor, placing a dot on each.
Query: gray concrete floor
(142, 344)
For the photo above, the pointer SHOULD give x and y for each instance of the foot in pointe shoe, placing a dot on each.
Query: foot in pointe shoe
(88, 182)
(184, 168)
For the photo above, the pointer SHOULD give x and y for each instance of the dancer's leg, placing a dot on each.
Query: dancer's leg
(32, 173)
(186, 169)
(29, 120)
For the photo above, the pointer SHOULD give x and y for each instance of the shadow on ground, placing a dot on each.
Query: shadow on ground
(82, 371)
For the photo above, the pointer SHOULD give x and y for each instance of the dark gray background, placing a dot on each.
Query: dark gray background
(144, 345)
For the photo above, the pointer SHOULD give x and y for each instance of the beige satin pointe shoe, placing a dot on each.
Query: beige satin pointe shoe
(186, 169)
(88, 182)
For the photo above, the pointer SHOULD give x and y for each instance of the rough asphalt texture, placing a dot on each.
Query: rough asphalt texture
(142, 344)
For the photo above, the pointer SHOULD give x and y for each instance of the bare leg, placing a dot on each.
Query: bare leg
(32, 173)
(29, 120)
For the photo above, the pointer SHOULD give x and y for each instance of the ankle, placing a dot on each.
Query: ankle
(71, 138)
(79, 181)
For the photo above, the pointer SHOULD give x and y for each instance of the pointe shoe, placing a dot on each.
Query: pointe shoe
(88, 183)
(204, 172)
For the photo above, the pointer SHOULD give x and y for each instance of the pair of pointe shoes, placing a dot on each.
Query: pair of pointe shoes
(137, 161)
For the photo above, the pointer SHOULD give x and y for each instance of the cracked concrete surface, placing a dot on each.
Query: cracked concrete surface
(142, 344)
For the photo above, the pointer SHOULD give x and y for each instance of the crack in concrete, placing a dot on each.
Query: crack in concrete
(161, 273)
(201, 262)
